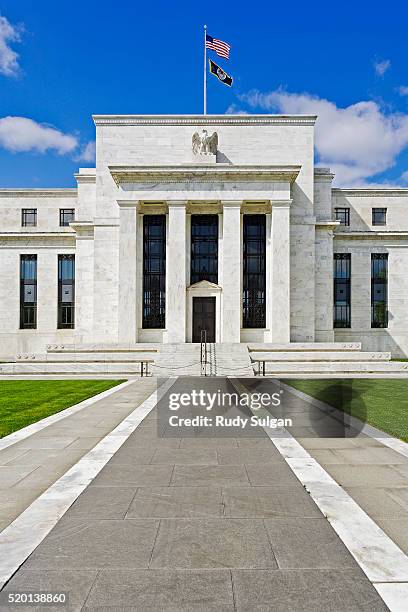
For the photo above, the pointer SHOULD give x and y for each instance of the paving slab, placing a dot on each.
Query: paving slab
(266, 502)
(184, 456)
(212, 543)
(396, 529)
(381, 502)
(76, 584)
(96, 544)
(133, 475)
(209, 475)
(265, 475)
(153, 590)
(102, 503)
(367, 475)
(320, 590)
(374, 455)
(10, 475)
(301, 543)
(248, 455)
(176, 502)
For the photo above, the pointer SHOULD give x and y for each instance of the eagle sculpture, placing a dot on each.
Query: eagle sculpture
(204, 144)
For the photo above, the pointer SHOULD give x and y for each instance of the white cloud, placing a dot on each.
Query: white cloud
(382, 66)
(357, 142)
(8, 57)
(403, 90)
(88, 152)
(233, 109)
(404, 177)
(19, 134)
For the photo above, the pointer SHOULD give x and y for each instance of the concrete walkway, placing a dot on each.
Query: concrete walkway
(29, 467)
(186, 524)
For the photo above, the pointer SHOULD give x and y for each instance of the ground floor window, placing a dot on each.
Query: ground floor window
(342, 294)
(66, 291)
(28, 291)
(254, 271)
(379, 290)
(154, 271)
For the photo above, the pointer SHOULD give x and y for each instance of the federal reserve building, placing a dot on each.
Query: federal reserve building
(220, 223)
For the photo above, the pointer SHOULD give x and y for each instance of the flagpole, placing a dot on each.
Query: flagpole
(205, 70)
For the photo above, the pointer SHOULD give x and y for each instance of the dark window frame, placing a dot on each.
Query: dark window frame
(154, 272)
(66, 308)
(379, 287)
(254, 272)
(342, 287)
(379, 216)
(204, 248)
(66, 212)
(342, 214)
(25, 214)
(28, 288)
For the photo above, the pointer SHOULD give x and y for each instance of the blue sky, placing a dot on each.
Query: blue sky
(62, 62)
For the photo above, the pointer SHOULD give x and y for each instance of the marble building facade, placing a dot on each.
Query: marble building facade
(248, 239)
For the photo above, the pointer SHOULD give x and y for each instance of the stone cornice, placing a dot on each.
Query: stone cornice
(63, 235)
(202, 173)
(365, 235)
(85, 178)
(212, 120)
(38, 193)
(281, 203)
(328, 224)
(83, 229)
(374, 192)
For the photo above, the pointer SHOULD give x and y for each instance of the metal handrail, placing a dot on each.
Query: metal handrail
(203, 352)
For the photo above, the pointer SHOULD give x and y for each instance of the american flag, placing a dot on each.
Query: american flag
(219, 46)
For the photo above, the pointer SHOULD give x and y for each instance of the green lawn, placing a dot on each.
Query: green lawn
(382, 403)
(23, 402)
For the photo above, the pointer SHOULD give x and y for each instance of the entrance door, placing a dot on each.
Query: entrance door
(204, 318)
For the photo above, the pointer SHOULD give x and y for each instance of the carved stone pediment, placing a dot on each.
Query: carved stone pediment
(203, 285)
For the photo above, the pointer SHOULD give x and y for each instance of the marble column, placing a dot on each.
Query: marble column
(176, 272)
(231, 275)
(280, 270)
(324, 281)
(127, 318)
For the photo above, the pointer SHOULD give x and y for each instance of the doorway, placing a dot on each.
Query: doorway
(204, 318)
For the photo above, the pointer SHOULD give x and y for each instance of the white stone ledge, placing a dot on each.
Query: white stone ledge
(204, 119)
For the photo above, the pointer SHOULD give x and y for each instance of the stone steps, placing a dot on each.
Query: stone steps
(305, 346)
(312, 356)
(103, 348)
(71, 367)
(287, 368)
(231, 359)
(91, 357)
(177, 360)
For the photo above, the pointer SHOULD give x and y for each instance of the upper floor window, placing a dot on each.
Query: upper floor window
(29, 217)
(379, 216)
(342, 215)
(66, 216)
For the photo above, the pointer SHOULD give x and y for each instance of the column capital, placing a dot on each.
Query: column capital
(231, 203)
(281, 203)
